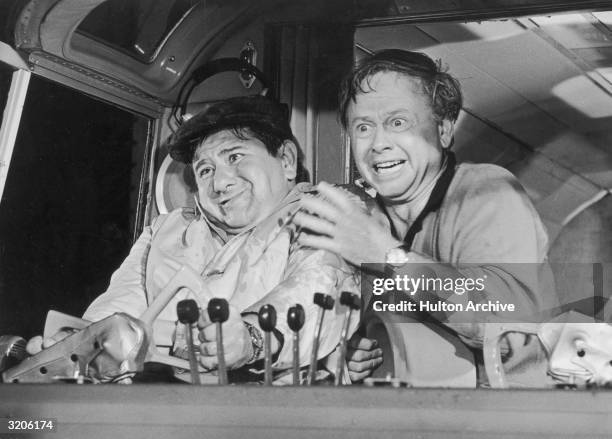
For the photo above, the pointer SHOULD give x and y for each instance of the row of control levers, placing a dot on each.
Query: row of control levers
(118, 347)
(218, 313)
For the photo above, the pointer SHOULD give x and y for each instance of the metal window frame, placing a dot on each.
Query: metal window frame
(13, 109)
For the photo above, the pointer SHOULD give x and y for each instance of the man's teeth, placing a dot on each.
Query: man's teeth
(387, 165)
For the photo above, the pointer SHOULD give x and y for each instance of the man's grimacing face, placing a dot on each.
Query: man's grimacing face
(239, 182)
(395, 139)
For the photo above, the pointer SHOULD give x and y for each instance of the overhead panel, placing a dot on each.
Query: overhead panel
(587, 39)
(574, 31)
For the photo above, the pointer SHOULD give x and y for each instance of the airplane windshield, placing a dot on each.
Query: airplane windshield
(113, 23)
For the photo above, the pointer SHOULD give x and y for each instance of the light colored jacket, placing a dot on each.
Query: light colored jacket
(257, 267)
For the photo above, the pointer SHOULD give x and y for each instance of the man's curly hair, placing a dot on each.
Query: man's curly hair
(443, 90)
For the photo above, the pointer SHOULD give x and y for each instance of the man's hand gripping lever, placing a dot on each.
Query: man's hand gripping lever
(105, 351)
(225, 340)
(108, 350)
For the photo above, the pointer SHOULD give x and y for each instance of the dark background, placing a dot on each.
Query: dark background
(68, 205)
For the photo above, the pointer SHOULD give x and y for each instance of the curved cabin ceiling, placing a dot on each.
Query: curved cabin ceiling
(151, 45)
(148, 46)
(67, 30)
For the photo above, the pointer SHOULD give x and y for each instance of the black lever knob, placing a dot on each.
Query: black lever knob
(350, 299)
(267, 322)
(296, 317)
(267, 318)
(187, 311)
(218, 310)
(325, 301)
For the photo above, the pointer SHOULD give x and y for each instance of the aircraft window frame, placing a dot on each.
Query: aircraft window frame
(13, 108)
(139, 54)
(133, 177)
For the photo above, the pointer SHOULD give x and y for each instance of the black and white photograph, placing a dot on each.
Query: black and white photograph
(305, 219)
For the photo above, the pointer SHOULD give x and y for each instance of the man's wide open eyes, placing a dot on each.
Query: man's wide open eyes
(363, 130)
(398, 124)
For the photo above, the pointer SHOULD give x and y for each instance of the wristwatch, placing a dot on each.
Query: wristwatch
(398, 256)
(256, 340)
